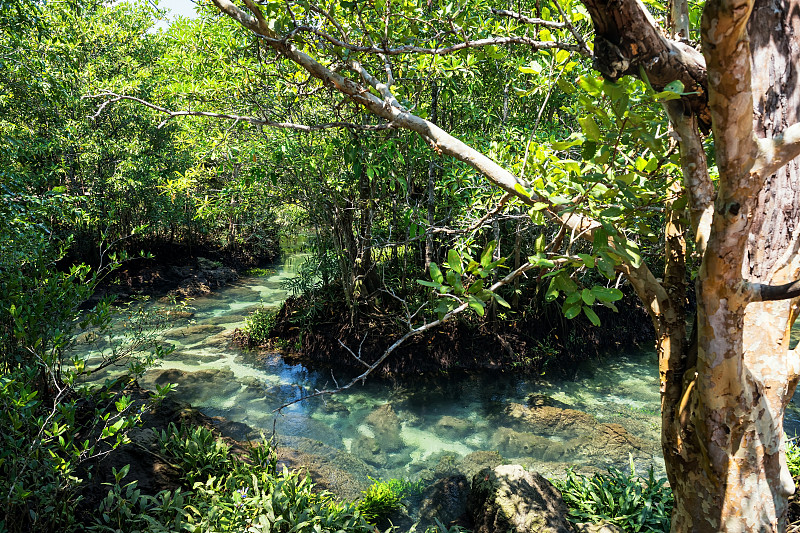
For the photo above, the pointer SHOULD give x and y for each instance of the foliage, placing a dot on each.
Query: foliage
(793, 456)
(626, 500)
(258, 325)
(51, 424)
(225, 492)
(441, 528)
(382, 498)
(258, 272)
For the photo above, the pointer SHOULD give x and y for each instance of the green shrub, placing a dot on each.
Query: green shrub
(626, 500)
(258, 272)
(226, 493)
(383, 498)
(258, 325)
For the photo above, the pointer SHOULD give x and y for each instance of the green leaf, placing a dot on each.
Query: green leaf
(587, 259)
(572, 311)
(591, 315)
(436, 274)
(454, 261)
(611, 212)
(606, 294)
(476, 305)
(540, 261)
(587, 297)
(590, 128)
(532, 68)
(486, 256)
(499, 299)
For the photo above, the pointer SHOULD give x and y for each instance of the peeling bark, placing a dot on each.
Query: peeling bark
(627, 38)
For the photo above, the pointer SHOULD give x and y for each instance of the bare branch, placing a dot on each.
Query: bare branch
(113, 97)
(575, 33)
(528, 20)
(758, 292)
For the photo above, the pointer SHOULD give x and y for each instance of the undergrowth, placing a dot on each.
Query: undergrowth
(222, 491)
(626, 500)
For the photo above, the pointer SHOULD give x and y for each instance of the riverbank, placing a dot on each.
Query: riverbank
(319, 333)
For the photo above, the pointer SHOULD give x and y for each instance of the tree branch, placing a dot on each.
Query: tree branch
(774, 153)
(528, 20)
(758, 292)
(444, 50)
(114, 97)
(416, 331)
(695, 172)
(627, 37)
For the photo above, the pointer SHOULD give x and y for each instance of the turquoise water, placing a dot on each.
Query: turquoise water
(606, 415)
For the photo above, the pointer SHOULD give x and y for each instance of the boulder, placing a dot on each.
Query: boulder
(509, 499)
(446, 500)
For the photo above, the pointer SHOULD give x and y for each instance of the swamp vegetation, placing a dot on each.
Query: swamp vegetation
(482, 189)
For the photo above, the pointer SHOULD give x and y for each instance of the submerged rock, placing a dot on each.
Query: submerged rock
(509, 498)
(456, 428)
(373, 451)
(546, 419)
(385, 424)
(474, 462)
(513, 443)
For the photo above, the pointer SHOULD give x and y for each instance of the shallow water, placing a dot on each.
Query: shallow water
(607, 415)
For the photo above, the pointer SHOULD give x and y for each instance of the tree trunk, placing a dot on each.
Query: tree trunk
(430, 254)
(729, 467)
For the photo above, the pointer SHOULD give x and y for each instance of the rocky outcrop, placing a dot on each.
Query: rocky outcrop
(549, 433)
(445, 500)
(202, 279)
(509, 499)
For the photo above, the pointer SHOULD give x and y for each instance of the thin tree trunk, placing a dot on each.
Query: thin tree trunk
(431, 200)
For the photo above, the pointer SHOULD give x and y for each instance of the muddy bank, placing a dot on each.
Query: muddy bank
(179, 272)
(531, 342)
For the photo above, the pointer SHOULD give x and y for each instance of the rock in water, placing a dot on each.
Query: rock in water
(446, 500)
(510, 499)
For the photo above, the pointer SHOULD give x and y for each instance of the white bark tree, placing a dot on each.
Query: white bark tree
(725, 385)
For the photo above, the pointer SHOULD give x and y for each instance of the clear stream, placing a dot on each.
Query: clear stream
(607, 415)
